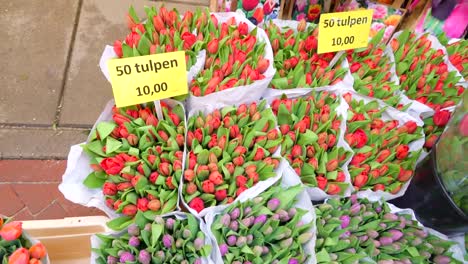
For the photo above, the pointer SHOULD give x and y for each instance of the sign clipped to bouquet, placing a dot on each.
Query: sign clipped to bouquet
(143, 79)
(344, 30)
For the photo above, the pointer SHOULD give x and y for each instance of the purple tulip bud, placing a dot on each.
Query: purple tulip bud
(159, 220)
(198, 243)
(383, 225)
(275, 217)
(265, 250)
(292, 212)
(378, 209)
(376, 243)
(186, 233)
(134, 241)
(234, 225)
(198, 261)
(417, 241)
(235, 213)
(168, 240)
(248, 221)
(385, 241)
(283, 215)
(268, 231)
(345, 221)
(179, 242)
(224, 249)
(148, 227)
(372, 233)
(286, 242)
(261, 219)
(160, 255)
(258, 200)
(126, 256)
(421, 233)
(293, 261)
(241, 241)
(390, 216)
(249, 239)
(112, 260)
(345, 234)
(273, 204)
(236, 262)
(363, 238)
(225, 220)
(353, 198)
(355, 209)
(170, 223)
(133, 230)
(351, 250)
(396, 234)
(257, 250)
(231, 240)
(144, 257)
(247, 262)
(385, 262)
(300, 223)
(442, 260)
(247, 210)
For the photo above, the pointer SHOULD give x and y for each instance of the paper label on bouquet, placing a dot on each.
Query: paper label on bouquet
(344, 30)
(144, 79)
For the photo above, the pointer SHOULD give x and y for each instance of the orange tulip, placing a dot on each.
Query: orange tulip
(20, 256)
(38, 251)
(11, 231)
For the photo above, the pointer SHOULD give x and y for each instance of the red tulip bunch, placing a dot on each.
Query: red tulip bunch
(311, 128)
(15, 247)
(458, 56)
(137, 160)
(370, 68)
(434, 126)
(423, 73)
(230, 150)
(382, 160)
(235, 56)
(296, 59)
(163, 31)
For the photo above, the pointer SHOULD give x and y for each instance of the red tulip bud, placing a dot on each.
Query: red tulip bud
(322, 182)
(333, 189)
(402, 152)
(129, 210)
(216, 178)
(142, 204)
(383, 155)
(241, 181)
(169, 183)
(19, 256)
(11, 231)
(360, 180)
(404, 175)
(341, 177)
(154, 205)
(332, 165)
(123, 186)
(109, 188)
(379, 187)
(259, 155)
(164, 168)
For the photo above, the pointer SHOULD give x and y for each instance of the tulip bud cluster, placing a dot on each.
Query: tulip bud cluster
(382, 160)
(423, 73)
(265, 229)
(311, 129)
(296, 60)
(458, 56)
(371, 69)
(164, 240)
(230, 150)
(137, 158)
(351, 229)
(15, 247)
(235, 56)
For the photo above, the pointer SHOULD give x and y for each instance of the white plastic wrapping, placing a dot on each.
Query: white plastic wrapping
(315, 193)
(303, 203)
(108, 54)
(250, 192)
(239, 94)
(392, 114)
(78, 168)
(96, 242)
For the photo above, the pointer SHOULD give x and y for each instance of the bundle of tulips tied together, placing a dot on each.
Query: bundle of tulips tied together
(296, 59)
(137, 160)
(371, 69)
(423, 73)
(351, 229)
(382, 160)
(234, 56)
(162, 31)
(311, 128)
(175, 238)
(16, 247)
(230, 150)
(266, 229)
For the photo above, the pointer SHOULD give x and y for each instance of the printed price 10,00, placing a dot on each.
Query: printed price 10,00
(146, 90)
(342, 41)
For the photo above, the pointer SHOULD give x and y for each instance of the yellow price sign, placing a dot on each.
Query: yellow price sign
(143, 79)
(344, 30)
